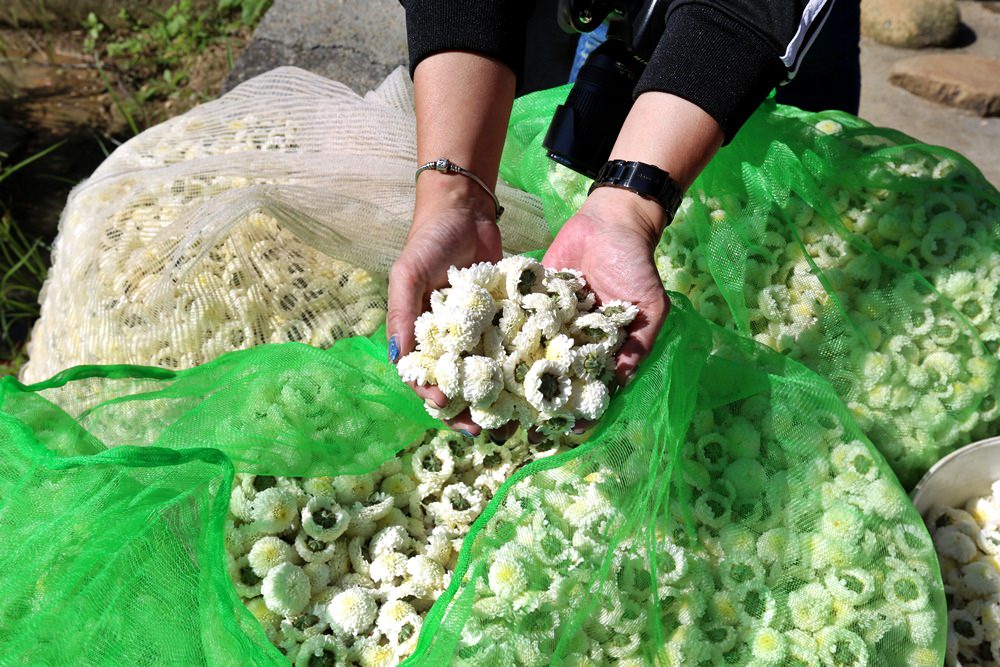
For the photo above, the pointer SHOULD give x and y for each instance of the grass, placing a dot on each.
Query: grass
(157, 52)
(24, 264)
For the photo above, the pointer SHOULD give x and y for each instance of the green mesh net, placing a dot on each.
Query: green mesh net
(727, 508)
(730, 508)
(869, 257)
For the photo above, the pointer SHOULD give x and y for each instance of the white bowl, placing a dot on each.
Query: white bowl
(965, 473)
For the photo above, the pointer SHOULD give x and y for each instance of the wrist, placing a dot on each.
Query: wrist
(627, 211)
(437, 191)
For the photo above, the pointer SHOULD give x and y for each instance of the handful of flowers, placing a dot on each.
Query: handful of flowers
(968, 546)
(517, 341)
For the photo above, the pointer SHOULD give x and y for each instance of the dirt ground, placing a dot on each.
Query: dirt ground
(884, 104)
(51, 91)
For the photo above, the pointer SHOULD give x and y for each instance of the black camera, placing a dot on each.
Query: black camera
(583, 130)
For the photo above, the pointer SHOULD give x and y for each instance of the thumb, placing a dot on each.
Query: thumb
(406, 297)
(641, 338)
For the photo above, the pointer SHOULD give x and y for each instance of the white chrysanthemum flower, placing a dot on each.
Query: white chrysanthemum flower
(827, 126)
(507, 578)
(811, 607)
(589, 400)
(496, 414)
(769, 646)
(483, 274)
(543, 314)
(319, 576)
(482, 380)
(546, 387)
(240, 505)
(433, 464)
(592, 362)
(950, 541)
(460, 504)
(449, 411)
(390, 539)
(399, 486)
(352, 612)
(389, 568)
(528, 339)
(324, 519)
(597, 328)
(522, 276)
(620, 313)
(319, 486)
(353, 488)
(245, 580)
(312, 550)
(428, 334)
(448, 371)
(562, 350)
(417, 367)
(468, 311)
(321, 650)
(511, 320)
(269, 552)
(426, 572)
(286, 589)
(515, 370)
(274, 509)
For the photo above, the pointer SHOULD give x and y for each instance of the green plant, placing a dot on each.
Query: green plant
(156, 51)
(24, 263)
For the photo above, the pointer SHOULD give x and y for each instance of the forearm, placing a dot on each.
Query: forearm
(463, 103)
(671, 133)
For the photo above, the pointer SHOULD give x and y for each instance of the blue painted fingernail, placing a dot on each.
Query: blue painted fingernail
(393, 350)
(467, 434)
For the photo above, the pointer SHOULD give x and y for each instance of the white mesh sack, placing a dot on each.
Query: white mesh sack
(270, 214)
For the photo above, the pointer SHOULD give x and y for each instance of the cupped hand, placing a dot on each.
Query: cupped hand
(447, 231)
(611, 240)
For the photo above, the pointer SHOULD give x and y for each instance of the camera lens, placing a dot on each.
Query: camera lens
(584, 129)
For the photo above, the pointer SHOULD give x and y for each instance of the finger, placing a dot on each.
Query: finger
(432, 394)
(582, 425)
(405, 304)
(463, 424)
(641, 337)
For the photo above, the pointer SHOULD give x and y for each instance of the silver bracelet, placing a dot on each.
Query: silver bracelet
(446, 166)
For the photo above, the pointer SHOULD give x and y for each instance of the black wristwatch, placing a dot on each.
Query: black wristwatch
(646, 180)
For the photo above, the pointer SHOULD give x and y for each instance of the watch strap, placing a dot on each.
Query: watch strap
(646, 180)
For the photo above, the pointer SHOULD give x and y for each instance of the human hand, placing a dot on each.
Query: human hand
(611, 240)
(453, 224)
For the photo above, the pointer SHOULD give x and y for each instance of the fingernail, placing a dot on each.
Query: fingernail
(467, 434)
(579, 430)
(629, 377)
(393, 349)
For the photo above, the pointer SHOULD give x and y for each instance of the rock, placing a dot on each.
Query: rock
(357, 42)
(911, 24)
(963, 81)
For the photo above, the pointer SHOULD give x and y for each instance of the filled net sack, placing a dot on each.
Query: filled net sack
(269, 215)
(869, 257)
(726, 510)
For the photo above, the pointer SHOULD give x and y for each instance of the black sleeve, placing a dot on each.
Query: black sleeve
(494, 28)
(726, 55)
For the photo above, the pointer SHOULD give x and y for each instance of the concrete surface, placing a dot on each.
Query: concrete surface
(976, 138)
(358, 42)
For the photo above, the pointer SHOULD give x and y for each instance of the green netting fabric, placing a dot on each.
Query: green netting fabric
(871, 258)
(730, 508)
(726, 509)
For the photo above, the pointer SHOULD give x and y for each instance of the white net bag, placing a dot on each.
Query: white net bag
(269, 215)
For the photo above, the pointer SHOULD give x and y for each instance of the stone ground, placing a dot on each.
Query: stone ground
(361, 41)
(884, 104)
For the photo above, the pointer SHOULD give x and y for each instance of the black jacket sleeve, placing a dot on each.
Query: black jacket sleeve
(723, 55)
(494, 28)
(726, 55)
